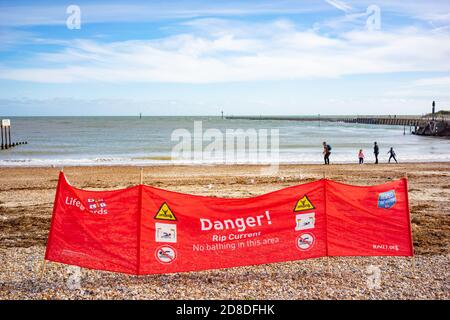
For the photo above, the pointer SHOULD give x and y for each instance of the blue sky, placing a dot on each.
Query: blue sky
(243, 57)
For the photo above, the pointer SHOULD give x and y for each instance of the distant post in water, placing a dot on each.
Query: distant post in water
(222, 114)
(1, 130)
(433, 110)
(9, 135)
(6, 124)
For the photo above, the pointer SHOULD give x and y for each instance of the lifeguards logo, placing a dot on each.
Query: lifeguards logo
(387, 200)
(97, 206)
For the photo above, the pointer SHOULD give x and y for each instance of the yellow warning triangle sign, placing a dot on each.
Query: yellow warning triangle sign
(164, 213)
(303, 204)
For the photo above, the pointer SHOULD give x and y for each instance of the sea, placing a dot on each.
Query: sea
(74, 141)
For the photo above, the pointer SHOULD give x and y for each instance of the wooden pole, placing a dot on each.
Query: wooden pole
(327, 257)
(44, 264)
(9, 134)
(1, 130)
(142, 176)
(329, 270)
(6, 139)
(413, 259)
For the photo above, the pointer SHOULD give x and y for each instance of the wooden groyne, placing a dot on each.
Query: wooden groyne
(5, 132)
(421, 125)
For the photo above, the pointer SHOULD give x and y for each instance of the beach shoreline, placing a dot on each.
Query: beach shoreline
(26, 201)
(62, 165)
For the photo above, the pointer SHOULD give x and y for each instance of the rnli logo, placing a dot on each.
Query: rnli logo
(387, 200)
(97, 206)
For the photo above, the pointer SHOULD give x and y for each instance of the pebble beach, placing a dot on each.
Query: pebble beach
(26, 200)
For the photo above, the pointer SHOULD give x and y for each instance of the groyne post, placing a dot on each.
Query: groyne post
(1, 130)
(5, 132)
(5, 124)
(9, 135)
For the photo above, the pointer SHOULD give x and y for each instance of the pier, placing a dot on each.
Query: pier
(428, 125)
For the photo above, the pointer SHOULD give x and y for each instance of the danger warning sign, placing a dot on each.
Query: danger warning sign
(164, 213)
(153, 231)
(303, 204)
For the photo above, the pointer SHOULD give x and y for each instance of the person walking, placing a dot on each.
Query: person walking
(326, 152)
(391, 153)
(361, 156)
(376, 151)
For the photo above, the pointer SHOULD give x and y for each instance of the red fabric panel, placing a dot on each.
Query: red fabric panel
(103, 237)
(146, 230)
(358, 225)
(257, 240)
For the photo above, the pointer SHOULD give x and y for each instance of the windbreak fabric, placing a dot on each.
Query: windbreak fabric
(146, 230)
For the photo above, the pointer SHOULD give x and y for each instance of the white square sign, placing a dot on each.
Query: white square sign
(305, 221)
(165, 232)
(6, 123)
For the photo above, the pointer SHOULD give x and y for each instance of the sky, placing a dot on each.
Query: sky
(279, 57)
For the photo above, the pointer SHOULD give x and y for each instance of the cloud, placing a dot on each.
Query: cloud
(10, 38)
(228, 54)
(433, 88)
(13, 15)
(139, 11)
(436, 81)
(340, 5)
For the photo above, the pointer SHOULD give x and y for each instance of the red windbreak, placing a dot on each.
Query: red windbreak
(96, 230)
(145, 230)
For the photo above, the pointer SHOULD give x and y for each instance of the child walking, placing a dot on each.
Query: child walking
(361, 156)
(391, 153)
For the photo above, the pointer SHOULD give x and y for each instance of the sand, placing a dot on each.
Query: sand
(26, 200)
